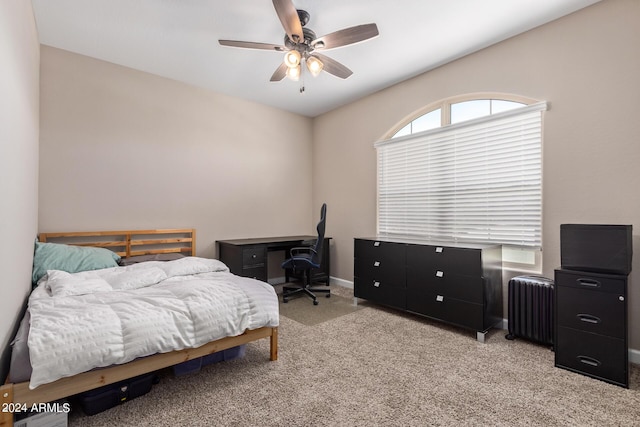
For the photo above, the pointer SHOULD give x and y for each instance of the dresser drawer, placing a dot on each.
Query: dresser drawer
(387, 293)
(591, 281)
(591, 311)
(381, 271)
(369, 252)
(462, 261)
(595, 355)
(253, 256)
(465, 288)
(450, 310)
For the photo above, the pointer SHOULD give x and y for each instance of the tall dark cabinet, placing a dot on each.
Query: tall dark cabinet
(591, 302)
(457, 284)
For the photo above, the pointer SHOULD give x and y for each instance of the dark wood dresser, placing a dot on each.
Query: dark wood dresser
(460, 284)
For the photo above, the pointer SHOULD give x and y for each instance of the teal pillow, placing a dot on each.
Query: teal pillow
(72, 259)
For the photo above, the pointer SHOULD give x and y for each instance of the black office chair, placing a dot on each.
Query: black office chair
(303, 259)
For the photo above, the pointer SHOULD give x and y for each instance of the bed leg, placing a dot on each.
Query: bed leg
(274, 344)
(6, 397)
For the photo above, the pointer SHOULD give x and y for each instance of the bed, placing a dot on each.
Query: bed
(152, 264)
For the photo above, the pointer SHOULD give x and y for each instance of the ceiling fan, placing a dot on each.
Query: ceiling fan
(301, 44)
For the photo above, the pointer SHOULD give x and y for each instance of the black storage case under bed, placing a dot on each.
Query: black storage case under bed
(100, 399)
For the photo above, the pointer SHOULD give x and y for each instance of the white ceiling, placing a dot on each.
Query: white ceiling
(178, 39)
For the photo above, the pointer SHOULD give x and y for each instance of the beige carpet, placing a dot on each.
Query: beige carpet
(378, 367)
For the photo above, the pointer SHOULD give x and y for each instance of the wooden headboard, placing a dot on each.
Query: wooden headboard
(129, 243)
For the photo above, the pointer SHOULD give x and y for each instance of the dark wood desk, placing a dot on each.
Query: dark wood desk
(248, 257)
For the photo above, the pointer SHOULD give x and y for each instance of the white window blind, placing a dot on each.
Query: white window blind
(477, 181)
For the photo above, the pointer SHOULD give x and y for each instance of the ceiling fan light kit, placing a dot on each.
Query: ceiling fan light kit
(294, 73)
(314, 65)
(292, 58)
(301, 44)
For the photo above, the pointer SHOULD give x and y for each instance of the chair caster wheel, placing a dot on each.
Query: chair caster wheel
(328, 296)
(285, 300)
(315, 302)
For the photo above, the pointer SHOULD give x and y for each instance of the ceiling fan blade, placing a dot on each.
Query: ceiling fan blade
(346, 36)
(252, 45)
(290, 21)
(332, 66)
(280, 73)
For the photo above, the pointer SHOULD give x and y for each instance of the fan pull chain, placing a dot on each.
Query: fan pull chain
(302, 72)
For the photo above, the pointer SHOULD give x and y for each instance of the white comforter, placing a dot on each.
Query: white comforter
(104, 317)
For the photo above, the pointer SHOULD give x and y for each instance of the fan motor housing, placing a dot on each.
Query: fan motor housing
(309, 36)
(304, 16)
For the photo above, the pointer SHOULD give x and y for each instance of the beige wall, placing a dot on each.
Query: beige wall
(123, 149)
(585, 65)
(19, 56)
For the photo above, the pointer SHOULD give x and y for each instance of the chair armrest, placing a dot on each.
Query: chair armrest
(302, 249)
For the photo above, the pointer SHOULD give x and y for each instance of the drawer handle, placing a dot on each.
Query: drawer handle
(439, 249)
(439, 298)
(376, 264)
(589, 361)
(376, 284)
(439, 273)
(590, 283)
(588, 318)
(254, 256)
(376, 244)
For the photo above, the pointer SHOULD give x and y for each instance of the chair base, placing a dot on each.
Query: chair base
(303, 289)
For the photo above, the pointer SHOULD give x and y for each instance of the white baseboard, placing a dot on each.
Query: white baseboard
(341, 282)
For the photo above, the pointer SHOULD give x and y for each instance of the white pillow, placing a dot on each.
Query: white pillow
(62, 284)
(192, 265)
(126, 278)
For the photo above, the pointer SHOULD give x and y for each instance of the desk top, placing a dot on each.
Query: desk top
(269, 241)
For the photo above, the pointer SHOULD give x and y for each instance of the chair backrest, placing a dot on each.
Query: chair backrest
(321, 227)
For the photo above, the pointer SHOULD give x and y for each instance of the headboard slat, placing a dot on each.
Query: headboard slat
(149, 242)
(160, 241)
(120, 243)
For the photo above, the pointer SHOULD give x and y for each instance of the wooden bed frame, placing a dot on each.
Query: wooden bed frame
(126, 243)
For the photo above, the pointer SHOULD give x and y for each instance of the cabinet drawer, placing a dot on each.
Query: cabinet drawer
(450, 310)
(465, 288)
(595, 355)
(598, 312)
(259, 273)
(462, 261)
(590, 281)
(253, 256)
(386, 254)
(380, 292)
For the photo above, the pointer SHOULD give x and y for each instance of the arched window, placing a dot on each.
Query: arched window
(466, 169)
(430, 120)
(460, 109)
